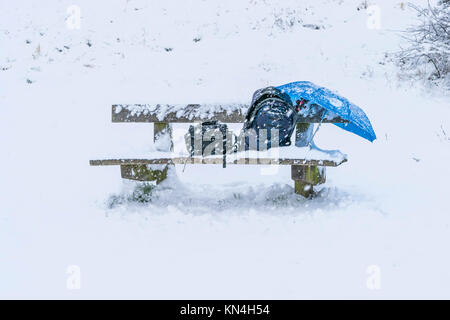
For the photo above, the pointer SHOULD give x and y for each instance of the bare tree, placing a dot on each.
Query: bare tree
(427, 55)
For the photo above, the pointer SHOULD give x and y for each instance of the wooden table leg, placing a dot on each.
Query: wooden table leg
(144, 172)
(306, 177)
(162, 137)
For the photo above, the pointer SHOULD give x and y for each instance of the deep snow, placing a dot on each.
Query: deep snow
(234, 233)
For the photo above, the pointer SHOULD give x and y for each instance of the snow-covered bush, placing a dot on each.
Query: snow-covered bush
(428, 51)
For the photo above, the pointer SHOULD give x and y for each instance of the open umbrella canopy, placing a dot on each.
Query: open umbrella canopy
(358, 122)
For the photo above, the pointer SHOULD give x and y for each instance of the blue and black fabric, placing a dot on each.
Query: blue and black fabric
(270, 109)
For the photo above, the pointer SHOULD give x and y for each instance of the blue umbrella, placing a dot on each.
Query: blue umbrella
(358, 122)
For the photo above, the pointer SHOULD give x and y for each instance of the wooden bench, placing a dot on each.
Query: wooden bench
(306, 173)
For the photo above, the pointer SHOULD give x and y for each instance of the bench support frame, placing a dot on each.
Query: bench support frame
(144, 172)
(305, 176)
(162, 137)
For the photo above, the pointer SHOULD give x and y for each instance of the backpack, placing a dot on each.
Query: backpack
(270, 109)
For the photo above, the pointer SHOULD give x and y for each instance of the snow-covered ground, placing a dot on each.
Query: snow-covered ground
(234, 233)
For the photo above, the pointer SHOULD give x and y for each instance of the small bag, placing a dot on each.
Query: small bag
(213, 137)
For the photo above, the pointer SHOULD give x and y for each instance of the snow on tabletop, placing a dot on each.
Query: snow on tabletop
(205, 111)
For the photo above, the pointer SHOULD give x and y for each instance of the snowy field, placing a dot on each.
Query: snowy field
(379, 229)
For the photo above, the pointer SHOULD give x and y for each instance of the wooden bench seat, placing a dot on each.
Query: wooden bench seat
(217, 160)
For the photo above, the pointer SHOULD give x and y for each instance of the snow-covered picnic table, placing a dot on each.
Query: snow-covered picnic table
(307, 163)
